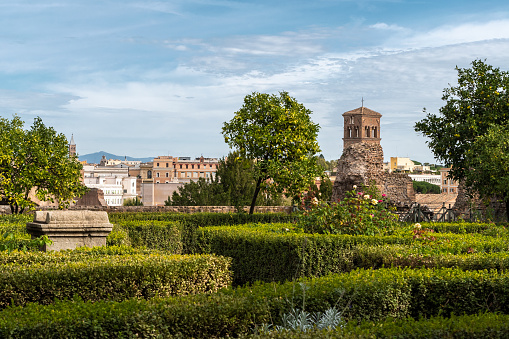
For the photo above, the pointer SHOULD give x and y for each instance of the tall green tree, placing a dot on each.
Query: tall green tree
(479, 101)
(488, 161)
(277, 133)
(36, 160)
(203, 192)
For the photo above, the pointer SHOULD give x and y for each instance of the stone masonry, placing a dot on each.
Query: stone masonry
(362, 164)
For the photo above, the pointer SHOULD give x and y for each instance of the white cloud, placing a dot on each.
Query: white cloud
(386, 27)
(463, 33)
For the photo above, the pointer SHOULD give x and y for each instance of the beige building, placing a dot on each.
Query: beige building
(447, 185)
(165, 174)
(398, 164)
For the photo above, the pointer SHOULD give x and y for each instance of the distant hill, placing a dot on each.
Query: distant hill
(95, 158)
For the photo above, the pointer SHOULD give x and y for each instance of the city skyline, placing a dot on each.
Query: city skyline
(150, 78)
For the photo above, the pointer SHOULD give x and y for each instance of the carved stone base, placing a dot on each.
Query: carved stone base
(71, 229)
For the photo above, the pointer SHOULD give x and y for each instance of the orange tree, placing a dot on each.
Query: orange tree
(36, 160)
(277, 133)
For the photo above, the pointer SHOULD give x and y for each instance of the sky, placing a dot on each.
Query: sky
(150, 78)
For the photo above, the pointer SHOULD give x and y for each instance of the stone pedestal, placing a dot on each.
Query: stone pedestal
(71, 229)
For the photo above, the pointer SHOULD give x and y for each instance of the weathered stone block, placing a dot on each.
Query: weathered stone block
(71, 229)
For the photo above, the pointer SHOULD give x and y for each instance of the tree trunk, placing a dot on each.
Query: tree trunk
(257, 190)
(507, 210)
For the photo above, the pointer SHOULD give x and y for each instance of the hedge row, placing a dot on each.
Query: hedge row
(274, 254)
(203, 219)
(78, 254)
(159, 235)
(487, 325)
(363, 295)
(113, 278)
(464, 227)
(374, 295)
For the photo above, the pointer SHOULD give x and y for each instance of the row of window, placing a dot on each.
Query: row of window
(451, 190)
(369, 132)
(192, 166)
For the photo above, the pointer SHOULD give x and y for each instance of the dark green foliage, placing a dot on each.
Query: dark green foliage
(276, 252)
(233, 185)
(471, 108)
(197, 316)
(485, 325)
(426, 188)
(158, 235)
(187, 224)
(364, 295)
(133, 202)
(200, 193)
(116, 277)
(203, 219)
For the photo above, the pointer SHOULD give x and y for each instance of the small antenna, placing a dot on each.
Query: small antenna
(362, 100)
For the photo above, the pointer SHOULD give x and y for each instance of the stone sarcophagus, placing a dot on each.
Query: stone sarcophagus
(71, 229)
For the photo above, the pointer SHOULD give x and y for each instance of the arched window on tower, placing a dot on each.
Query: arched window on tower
(367, 132)
(352, 120)
(149, 175)
(356, 132)
(349, 132)
(375, 132)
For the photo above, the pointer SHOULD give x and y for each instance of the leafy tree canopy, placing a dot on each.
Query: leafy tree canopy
(488, 161)
(479, 100)
(36, 160)
(426, 187)
(277, 133)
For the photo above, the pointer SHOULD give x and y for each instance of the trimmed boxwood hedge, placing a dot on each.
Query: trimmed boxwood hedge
(363, 295)
(113, 278)
(78, 254)
(487, 325)
(159, 235)
(277, 253)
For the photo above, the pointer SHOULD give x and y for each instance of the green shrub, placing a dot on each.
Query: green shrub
(195, 316)
(278, 252)
(78, 254)
(159, 235)
(381, 299)
(113, 278)
(486, 325)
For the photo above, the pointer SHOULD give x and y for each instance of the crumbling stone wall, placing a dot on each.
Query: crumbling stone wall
(93, 197)
(468, 206)
(362, 164)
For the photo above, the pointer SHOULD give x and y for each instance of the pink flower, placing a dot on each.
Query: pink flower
(384, 195)
(359, 193)
(380, 200)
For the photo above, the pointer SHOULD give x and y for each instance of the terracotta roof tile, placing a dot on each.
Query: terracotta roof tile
(363, 111)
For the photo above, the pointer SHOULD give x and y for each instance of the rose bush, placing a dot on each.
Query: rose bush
(359, 213)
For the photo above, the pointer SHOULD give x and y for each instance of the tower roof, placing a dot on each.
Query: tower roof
(363, 111)
(72, 140)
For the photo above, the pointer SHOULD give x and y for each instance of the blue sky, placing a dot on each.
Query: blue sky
(148, 78)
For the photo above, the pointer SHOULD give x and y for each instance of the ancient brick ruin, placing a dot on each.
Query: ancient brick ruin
(362, 164)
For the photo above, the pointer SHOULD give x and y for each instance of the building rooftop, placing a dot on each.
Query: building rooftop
(363, 111)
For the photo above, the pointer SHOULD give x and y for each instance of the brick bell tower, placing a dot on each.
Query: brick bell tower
(361, 125)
